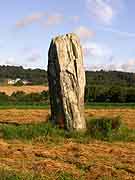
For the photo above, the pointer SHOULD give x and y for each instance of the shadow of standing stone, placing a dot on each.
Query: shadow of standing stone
(66, 77)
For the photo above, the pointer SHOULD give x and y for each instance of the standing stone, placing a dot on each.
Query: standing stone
(66, 78)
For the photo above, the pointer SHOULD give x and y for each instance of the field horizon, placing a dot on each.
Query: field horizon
(30, 149)
(9, 89)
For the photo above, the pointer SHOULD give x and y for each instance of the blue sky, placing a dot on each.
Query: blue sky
(106, 29)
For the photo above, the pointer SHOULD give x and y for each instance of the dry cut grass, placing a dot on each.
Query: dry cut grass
(40, 115)
(95, 160)
(127, 115)
(21, 116)
(92, 160)
(27, 89)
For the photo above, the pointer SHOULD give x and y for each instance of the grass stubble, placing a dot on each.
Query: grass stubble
(42, 151)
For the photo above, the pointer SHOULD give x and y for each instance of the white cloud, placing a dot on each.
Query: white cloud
(119, 33)
(35, 17)
(96, 50)
(34, 57)
(51, 19)
(45, 19)
(105, 67)
(54, 19)
(128, 66)
(84, 33)
(102, 10)
(10, 61)
(75, 19)
(31, 54)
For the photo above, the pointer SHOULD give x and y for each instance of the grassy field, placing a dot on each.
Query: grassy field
(42, 152)
(27, 89)
(32, 149)
(26, 116)
(110, 105)
(24, 106)
(87, 106)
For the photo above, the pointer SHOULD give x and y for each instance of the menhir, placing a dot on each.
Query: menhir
(66, 77)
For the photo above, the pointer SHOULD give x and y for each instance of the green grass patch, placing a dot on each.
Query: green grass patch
(24, 106)
(110, 105)
(103, 127)
(41, 132)
(13, 175)
(108, 129)
(65, 176)
(87, 106)
(29, 131)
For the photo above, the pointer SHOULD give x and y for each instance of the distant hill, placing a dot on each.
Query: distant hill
(110, 78)
(36, 76)
(39, 76)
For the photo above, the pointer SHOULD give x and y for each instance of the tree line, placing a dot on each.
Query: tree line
(39, 76)
(21, 97)
(101, 86)
(35, 76)
(115, 94)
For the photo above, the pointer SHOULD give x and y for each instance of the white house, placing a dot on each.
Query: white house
(12, 81)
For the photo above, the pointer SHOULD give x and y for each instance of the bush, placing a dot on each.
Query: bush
(27, 132)
(21, 97)
(33, 97)
(108, 129)
(19, 83)
(3, 97)
(17, 96)
(44, 95)
(102, 128)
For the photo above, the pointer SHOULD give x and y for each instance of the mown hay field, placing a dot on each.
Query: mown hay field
(27, 89)
(58, 158)
(95, 160)
(40, 115)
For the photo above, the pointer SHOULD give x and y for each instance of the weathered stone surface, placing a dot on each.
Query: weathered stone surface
(66, 78)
